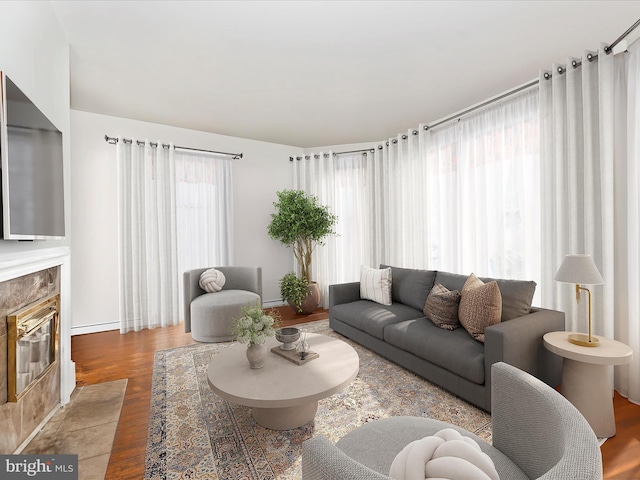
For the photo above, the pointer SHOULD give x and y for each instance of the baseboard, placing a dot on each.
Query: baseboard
(95, 328)
(105, 327)
(274, 303)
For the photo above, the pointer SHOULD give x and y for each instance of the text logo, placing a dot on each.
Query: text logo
(51, 467)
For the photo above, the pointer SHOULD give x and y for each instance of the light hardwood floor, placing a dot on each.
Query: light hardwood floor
(105, 356)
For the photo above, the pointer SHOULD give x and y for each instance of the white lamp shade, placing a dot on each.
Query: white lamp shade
(579, 269)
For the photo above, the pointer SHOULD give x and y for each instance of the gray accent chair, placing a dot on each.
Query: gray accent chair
(209, 316)
(537, 434)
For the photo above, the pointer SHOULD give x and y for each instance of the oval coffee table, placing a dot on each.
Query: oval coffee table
(283, 395)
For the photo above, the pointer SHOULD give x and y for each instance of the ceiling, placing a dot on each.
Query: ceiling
(318, 73)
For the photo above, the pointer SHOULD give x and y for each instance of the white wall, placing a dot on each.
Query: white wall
(263, 170)
(34, 53)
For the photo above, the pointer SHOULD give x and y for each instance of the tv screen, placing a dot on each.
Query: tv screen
(32, 167)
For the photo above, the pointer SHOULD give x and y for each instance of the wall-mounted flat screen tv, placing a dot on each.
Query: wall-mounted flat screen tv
(32, 169)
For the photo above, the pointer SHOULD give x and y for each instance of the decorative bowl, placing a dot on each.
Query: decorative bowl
(288, 336)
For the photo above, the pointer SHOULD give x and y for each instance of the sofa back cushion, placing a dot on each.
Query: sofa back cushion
(517, 295)
(411, 286)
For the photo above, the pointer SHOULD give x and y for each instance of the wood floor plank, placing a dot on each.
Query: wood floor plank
(106, 356)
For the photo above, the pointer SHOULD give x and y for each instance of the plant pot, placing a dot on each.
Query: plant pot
(256, 354)
(310, 302)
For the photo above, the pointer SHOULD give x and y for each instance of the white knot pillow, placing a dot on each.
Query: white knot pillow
(445, 455)
(212, 280)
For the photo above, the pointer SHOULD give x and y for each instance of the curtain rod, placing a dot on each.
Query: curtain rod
(481, 105)
(547, 76)
(335, 154)
(114, 140)
(610, 48)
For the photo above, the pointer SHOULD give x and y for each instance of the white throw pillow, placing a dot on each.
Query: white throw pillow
(212, 280)
(446, 454)
(375, 284)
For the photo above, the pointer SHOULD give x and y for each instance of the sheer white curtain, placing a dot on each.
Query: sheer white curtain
(175, 214)
(577, 128)
(149, 279)
(483, 192)
(590, 121)
(463, 197)
(204, 206)
(405, 197)
(340, 182)
(627, 218)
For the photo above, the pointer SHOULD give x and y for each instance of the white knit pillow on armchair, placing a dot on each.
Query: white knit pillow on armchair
(212, 280)
(445, 455)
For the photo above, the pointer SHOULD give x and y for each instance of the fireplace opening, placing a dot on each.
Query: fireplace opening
(32, 342)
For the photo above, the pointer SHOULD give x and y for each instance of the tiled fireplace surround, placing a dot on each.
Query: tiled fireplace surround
(26, 277)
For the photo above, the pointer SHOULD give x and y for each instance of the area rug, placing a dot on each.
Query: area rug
(195, 434)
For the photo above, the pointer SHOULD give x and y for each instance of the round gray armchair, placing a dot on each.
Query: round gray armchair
(209, 316)
(537, 434)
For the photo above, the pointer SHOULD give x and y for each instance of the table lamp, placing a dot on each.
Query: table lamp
(581, 270)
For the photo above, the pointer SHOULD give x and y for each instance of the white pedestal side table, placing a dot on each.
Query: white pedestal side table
(585, 377)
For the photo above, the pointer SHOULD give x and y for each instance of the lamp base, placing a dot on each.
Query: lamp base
(583, 340)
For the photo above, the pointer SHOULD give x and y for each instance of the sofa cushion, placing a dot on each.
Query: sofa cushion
(411, 286)
(480, 306)
(453, 350)
(371, 317)
(517, 295)
(375, 284)
(441, 307)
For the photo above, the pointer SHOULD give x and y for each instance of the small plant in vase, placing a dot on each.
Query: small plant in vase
(294, 290)
(253, 328)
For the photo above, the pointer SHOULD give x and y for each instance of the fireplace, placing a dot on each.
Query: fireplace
(32, 344)
(37, 374)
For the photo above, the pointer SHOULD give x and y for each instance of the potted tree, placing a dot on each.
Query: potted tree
(300, 222)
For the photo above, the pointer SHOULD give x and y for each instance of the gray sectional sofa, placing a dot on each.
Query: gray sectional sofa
(452, 359)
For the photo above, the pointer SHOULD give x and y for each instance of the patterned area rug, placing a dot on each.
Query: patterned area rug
(195, 434)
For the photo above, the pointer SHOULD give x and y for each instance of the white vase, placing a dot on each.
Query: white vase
(256, 353)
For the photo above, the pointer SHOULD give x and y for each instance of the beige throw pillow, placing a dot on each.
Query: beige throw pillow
(375, 284)
(480, 306)
(441, 307)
